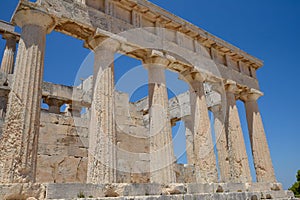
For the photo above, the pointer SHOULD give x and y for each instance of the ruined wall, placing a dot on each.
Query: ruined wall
(133, 160)
(62, 153)
(63, 146)
(63, 139)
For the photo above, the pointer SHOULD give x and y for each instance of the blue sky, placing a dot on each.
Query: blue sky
(267, 29)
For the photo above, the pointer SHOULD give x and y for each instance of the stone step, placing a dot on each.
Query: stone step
(221, 196)
(68, 191)
(148, 191)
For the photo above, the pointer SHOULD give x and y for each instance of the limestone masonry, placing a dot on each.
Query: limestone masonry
(117, 148)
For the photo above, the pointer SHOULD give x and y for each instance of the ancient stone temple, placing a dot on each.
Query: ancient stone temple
(117, 148)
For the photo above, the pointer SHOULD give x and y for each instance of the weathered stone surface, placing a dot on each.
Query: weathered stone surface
(102, 145)
(63, 149)
(174, 189)
(204, 156)
(118, 141)
(221, 135)
(260, 150)
(238, 159)
(185, 173)
(160, 133)
(179, 106)
(18, 145)
(153, 191)
(28, 191)
(9, 53)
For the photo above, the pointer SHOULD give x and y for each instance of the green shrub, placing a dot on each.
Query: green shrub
(296, 187)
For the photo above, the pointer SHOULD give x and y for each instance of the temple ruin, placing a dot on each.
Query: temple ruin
(121, 149)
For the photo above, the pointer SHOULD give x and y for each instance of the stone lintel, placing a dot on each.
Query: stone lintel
(88, 27)
(154, 13)
(7, 31)
(6, 27)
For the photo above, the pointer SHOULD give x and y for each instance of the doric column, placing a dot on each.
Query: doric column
(204, 155)
(161, 145)
(18, 147)
(221, 142)
(102, 141)
(260, 150)
(3, 107)
(189, 126)
(7, 64)
(238, 159)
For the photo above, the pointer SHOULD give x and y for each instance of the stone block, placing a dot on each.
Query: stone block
(172, 189)
(77, 151)
(139, 189)
(22, 191)
(72, 190)
(53, 149)
(235, 187)
(196, 188)
(58, 169)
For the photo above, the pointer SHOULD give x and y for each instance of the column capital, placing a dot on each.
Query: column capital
(158, 59)
(34, 17)
(192, 77)
(97, 42)
(230, 86)
(10, 36)
(251, 95)
(104, 39)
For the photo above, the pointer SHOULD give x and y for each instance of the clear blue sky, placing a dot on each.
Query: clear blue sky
(267, 29)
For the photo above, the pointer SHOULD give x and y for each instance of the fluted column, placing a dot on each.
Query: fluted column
(161, 145)
(260, 150)
(204, 155)
(189, 126)
(102, 137)
(18, 147)
(7, 63)
(238, 159)
(3, 107)
(221, 142)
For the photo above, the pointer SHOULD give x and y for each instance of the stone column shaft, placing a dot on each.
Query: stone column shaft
(205, 159)
(7, 64)
(3, 107)
(221, 142)
(18, 147)
(260, 150)
(238, 159)
(161, 145)
(190, 154)
(102, 141)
